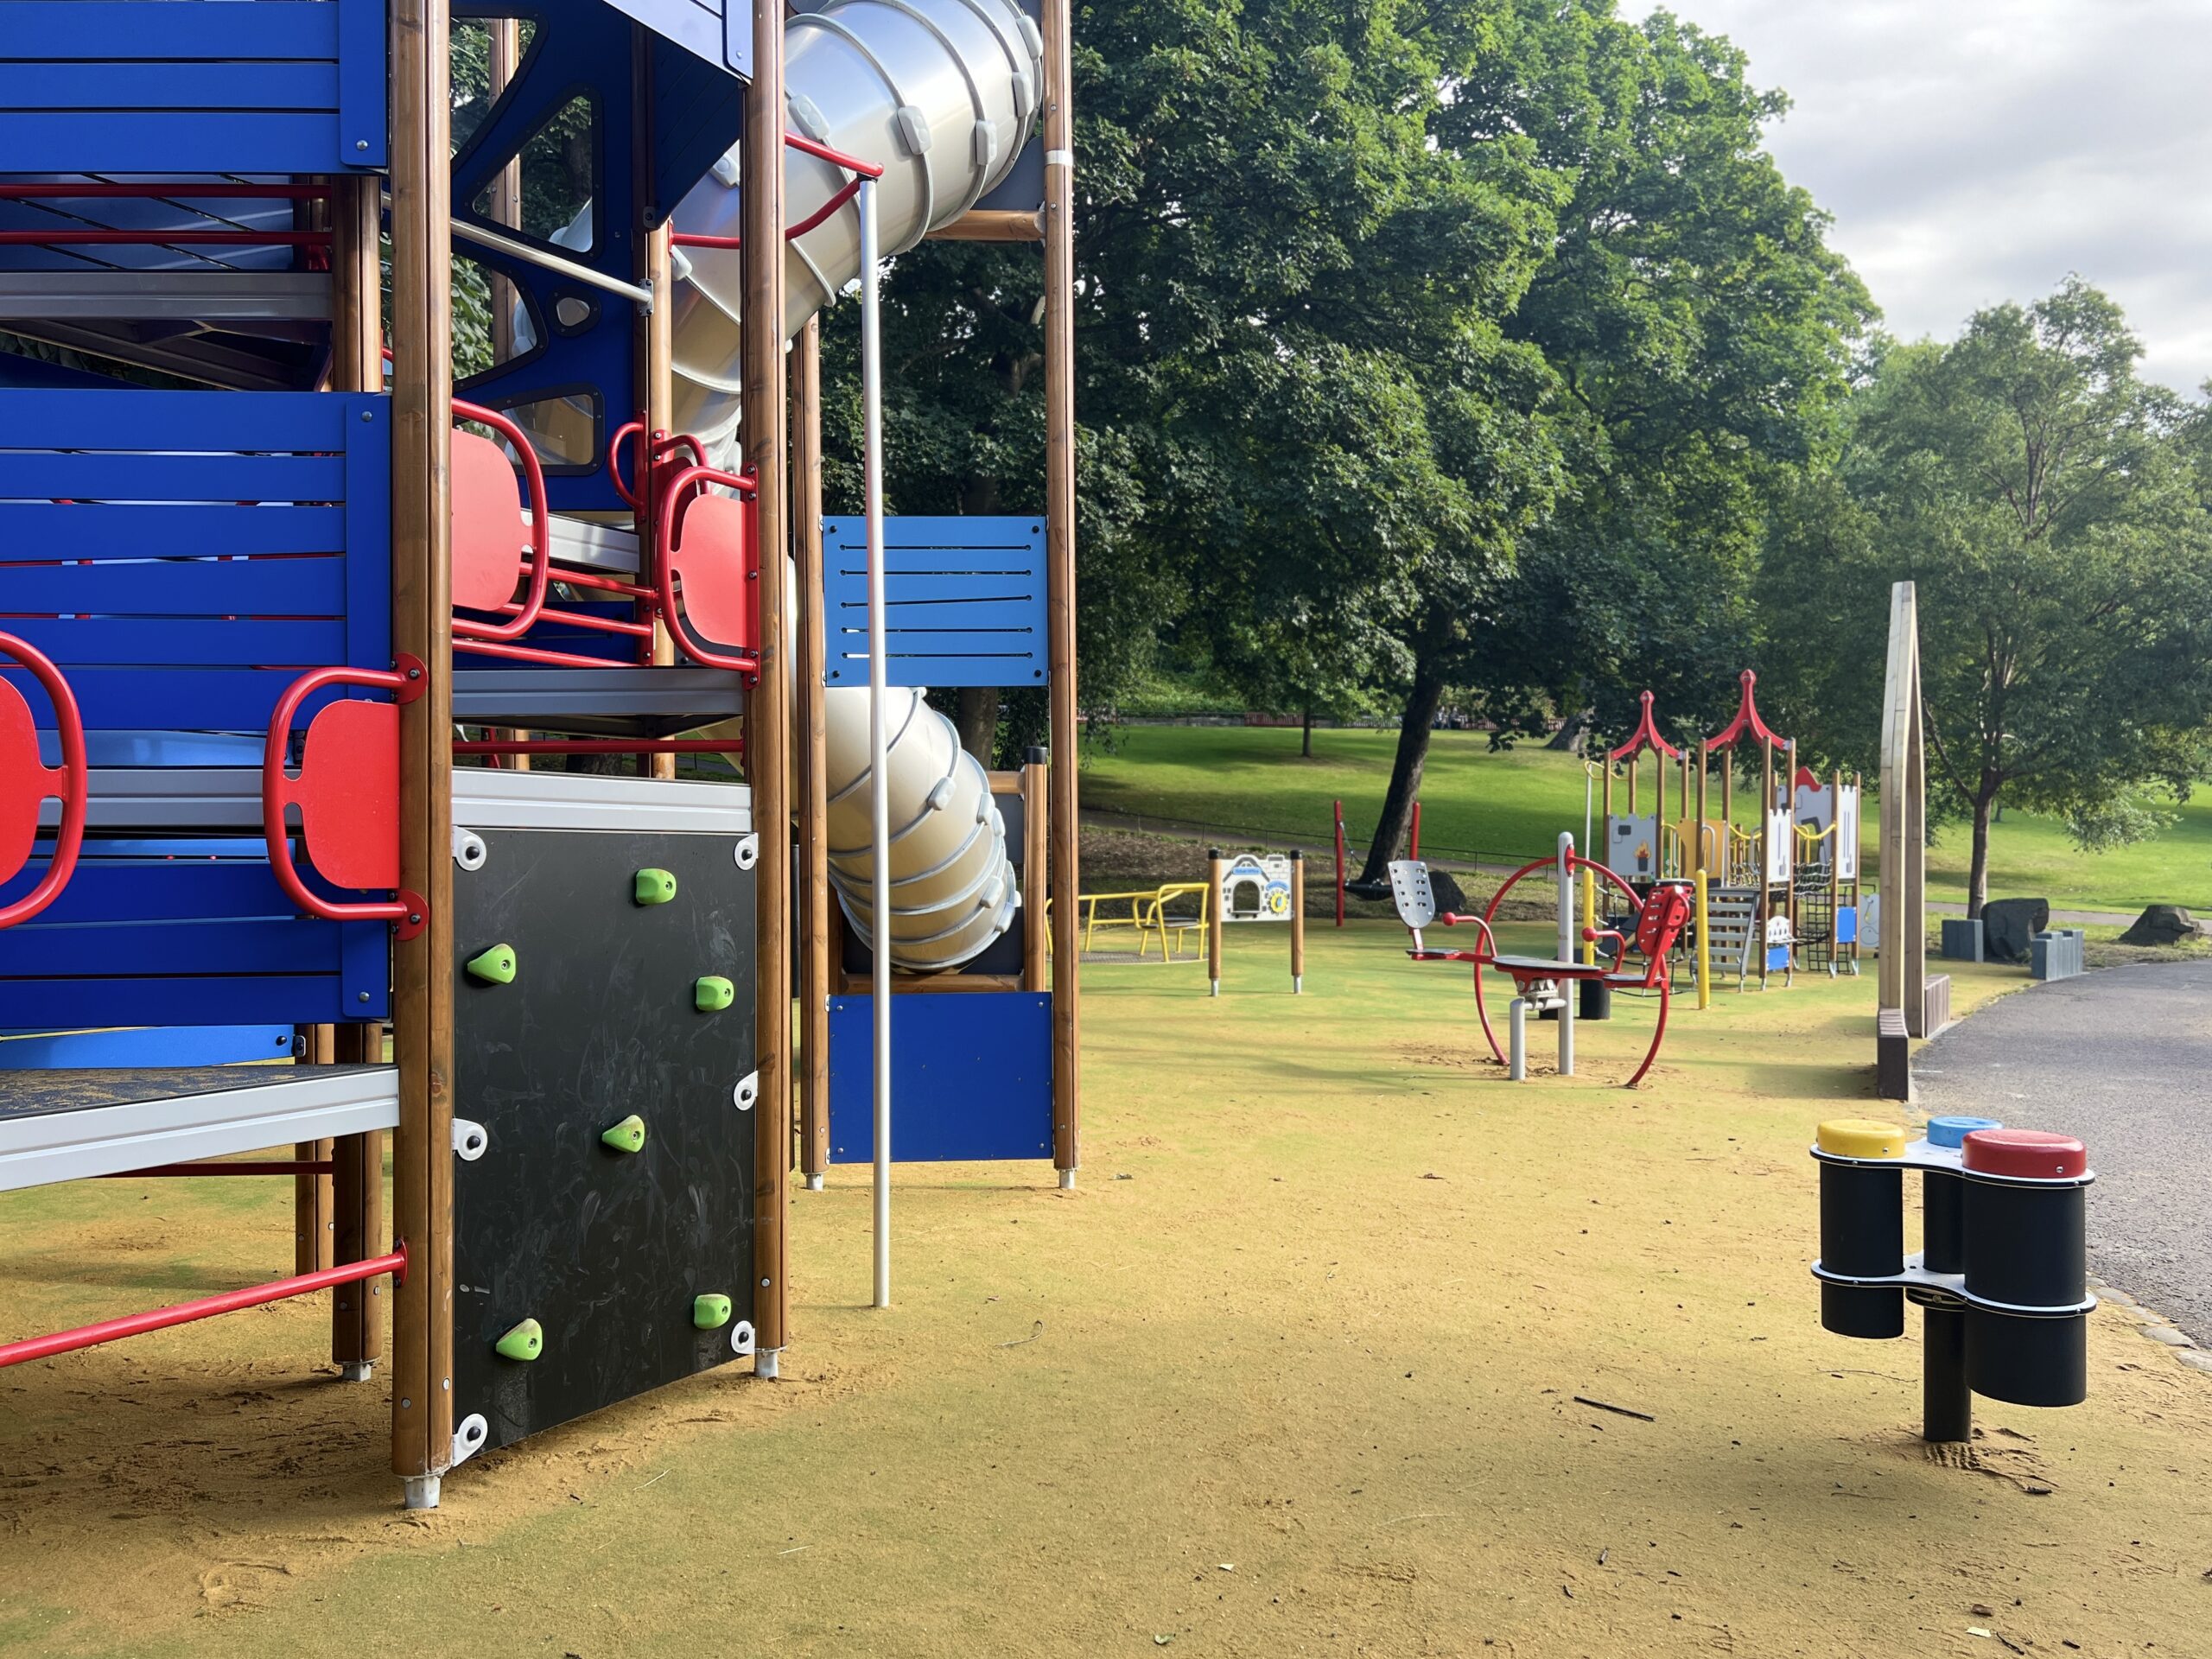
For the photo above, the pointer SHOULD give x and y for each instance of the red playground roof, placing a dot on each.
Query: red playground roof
(1747, 719)
(1646, 735)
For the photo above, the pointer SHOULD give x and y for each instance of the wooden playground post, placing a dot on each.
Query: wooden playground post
(1217, 901)
(1059, 557)
(1903, 954)
(1297, 921)
(1036, 857)
(811, 721)
(1704, 763)
(655, 372)
(768, 722)
(1339, 827)
(421, 413)
(356, 1183)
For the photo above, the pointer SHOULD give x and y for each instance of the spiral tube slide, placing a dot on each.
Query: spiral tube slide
(952, 889)
(941, 93)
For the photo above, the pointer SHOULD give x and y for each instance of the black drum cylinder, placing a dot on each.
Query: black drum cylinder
(1862, 1227)
(2023, 1212)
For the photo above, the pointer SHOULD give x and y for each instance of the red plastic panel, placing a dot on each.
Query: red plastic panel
(716, 562)
(23, 782)
(489, 536)
(2030, 1154)
(348, 794)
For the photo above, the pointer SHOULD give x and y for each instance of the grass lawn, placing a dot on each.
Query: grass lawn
(1293, 1372)
(1252, 779)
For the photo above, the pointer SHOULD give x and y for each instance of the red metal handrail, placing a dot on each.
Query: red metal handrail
(75, 777)
(229, 1301)
(819, 216)
(662, 443)
(406, 683)
(541, 526)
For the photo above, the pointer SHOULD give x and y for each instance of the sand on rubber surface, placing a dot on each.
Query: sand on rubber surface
(1305, 1382)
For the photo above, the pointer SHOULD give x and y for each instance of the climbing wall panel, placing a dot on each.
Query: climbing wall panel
(557, 1218)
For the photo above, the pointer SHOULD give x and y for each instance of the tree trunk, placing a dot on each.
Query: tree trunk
(1572, 734)
(1977, 870)
(1405, 770)
(977, 722)
(1305, 741)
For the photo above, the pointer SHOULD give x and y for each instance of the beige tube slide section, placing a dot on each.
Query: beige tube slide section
(952, 889)
(940, 93)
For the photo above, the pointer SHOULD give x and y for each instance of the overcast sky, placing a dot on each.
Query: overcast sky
(1973, 151)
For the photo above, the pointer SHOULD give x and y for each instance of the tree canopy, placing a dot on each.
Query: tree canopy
(2050, 507)
(1433, 349)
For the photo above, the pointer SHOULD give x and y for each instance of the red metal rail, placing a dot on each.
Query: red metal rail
(820, 215)
(230, 1302)
(33, 782)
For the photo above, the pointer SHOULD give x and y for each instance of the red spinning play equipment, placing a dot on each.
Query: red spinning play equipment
(1659, 919)
(26, 782)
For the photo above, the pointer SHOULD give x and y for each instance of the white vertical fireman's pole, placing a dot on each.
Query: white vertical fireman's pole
(878, 746)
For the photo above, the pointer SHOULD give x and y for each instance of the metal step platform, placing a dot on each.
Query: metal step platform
(66, 1125)
(144, 799)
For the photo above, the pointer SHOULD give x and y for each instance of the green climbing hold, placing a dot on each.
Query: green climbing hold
(710, 1312)
(495, 966)
(712, 993)
(526, 1342)
(628, 1136)
(655, 886)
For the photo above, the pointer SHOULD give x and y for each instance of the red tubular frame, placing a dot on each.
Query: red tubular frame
(663, 443)
(76, 776)
(230, 1302)
(541, 528)
(820, 216)
(406, 683)
(1654, 976)
(672, 495)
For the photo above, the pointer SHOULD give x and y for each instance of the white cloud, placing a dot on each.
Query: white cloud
(1975, 151)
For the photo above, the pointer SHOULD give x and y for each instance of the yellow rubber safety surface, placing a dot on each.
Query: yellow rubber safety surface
(1860, 1137)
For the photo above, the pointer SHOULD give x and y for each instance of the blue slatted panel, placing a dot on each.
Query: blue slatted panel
(143, 1046)
(192, 85)
(185, 555)
(971, 1077)
(963, 600)
(184, 941)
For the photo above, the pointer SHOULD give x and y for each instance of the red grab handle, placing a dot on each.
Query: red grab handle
(361, 849)
(541, 527)
(26, 782)
(666, 560)
(663, 445)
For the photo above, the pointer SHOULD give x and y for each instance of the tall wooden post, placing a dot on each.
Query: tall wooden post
(356, 1180)
(1903, 960)
(811, 723)
(1786, 797)
(314, 1228)
(1036, 859)
(421, 413)
(1704, 760)
(1060, 558)
(1297, 921)
(768, 720)
(655, 359)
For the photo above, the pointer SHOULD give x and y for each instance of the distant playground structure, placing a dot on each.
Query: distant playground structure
(1240, 887)
(1760, 887)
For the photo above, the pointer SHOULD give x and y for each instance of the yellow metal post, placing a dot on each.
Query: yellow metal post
(1589, 915)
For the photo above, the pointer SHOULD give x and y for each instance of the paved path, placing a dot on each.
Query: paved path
(2123, 1058)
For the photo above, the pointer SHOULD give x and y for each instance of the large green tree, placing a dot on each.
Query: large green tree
(2047, 502)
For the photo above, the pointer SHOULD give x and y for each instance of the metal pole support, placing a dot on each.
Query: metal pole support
(1516, 1067)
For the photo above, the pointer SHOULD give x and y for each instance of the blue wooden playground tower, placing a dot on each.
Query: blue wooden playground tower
(437, 721)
